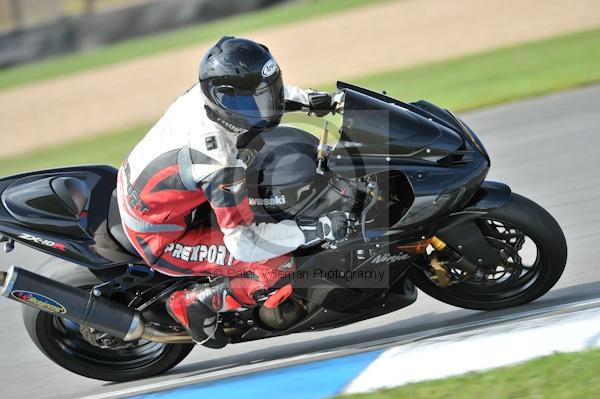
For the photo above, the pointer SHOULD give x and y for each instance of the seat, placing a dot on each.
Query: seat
(203, 217)
(115, 227)
(74, 193)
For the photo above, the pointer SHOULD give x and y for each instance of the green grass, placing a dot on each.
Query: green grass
(560, 376)
(500, 75)
(135, 48)
(106, 149)
(459, 84)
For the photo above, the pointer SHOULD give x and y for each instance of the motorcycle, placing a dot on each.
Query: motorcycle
(411, 176)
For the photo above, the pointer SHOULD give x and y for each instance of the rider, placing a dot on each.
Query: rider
(189, 158)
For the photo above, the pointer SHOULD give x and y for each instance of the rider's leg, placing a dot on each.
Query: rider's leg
(196, 308)
(202, 252)
(259, 277)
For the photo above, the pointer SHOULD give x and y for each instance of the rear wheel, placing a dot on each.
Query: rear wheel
(91, 353)
(533, 251)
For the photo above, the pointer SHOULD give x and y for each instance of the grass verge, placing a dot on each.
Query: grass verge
(500, 75)
(110, 148)
(560, 376)
(460, 84)
(135, 48)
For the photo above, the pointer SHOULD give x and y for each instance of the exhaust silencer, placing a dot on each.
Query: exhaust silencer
(72, 303)
(82, 307)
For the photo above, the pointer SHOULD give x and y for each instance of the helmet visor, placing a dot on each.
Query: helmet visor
(260, 107)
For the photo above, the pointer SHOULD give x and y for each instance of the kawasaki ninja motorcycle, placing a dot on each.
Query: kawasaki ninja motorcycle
(411, 177)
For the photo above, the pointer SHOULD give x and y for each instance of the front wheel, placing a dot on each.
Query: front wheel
(93, 354)
(533, 250)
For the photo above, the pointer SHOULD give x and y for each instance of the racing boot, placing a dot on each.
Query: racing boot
(196, 309)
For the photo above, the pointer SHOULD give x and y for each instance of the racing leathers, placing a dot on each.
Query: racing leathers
(186, 160)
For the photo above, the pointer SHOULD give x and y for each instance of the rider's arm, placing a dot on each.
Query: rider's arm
(316, 102)
(296, 99)
(246, 240)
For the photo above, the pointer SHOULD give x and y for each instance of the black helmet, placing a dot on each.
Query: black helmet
(242, 86)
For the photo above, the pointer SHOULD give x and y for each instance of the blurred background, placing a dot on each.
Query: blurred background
(21, 13)
(81, 81)
(72, 71)
(36, 29)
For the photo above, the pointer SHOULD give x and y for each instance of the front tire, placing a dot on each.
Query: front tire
(518, 214)
(62, 342)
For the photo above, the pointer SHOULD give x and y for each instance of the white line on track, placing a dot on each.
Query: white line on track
(374, 345)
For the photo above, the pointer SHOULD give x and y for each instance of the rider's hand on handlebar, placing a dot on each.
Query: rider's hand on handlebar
(332, 227)
(320, 104)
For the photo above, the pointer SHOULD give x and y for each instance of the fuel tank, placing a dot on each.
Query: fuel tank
(281, 177)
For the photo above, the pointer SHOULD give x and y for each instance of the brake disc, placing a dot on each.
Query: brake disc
(103, 340)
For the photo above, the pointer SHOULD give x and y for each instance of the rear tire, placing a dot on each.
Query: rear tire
(62, 343)
(542, 229)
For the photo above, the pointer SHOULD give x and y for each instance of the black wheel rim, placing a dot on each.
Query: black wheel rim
(515, 275)
(64, 335)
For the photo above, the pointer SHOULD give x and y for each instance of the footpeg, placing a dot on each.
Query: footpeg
(278, 312)
(260, 296)
(279, 296)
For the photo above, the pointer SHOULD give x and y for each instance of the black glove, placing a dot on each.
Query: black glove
(332, 227)
(320, 104)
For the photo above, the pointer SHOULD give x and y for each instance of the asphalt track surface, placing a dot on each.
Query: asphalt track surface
(547, 149)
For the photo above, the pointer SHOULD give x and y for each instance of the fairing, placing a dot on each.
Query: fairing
(442, 162)
(375, 128)
(33, 214)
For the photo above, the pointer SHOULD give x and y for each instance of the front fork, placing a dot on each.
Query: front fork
(441, 256)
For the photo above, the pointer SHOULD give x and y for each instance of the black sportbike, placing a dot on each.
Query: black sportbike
(411, 177)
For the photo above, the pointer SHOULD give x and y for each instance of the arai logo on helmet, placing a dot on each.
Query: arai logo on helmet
(269, 68)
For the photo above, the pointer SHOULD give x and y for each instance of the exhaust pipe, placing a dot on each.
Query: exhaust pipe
(82, 307)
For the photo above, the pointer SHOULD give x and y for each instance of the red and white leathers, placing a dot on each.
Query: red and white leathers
(185, 160)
